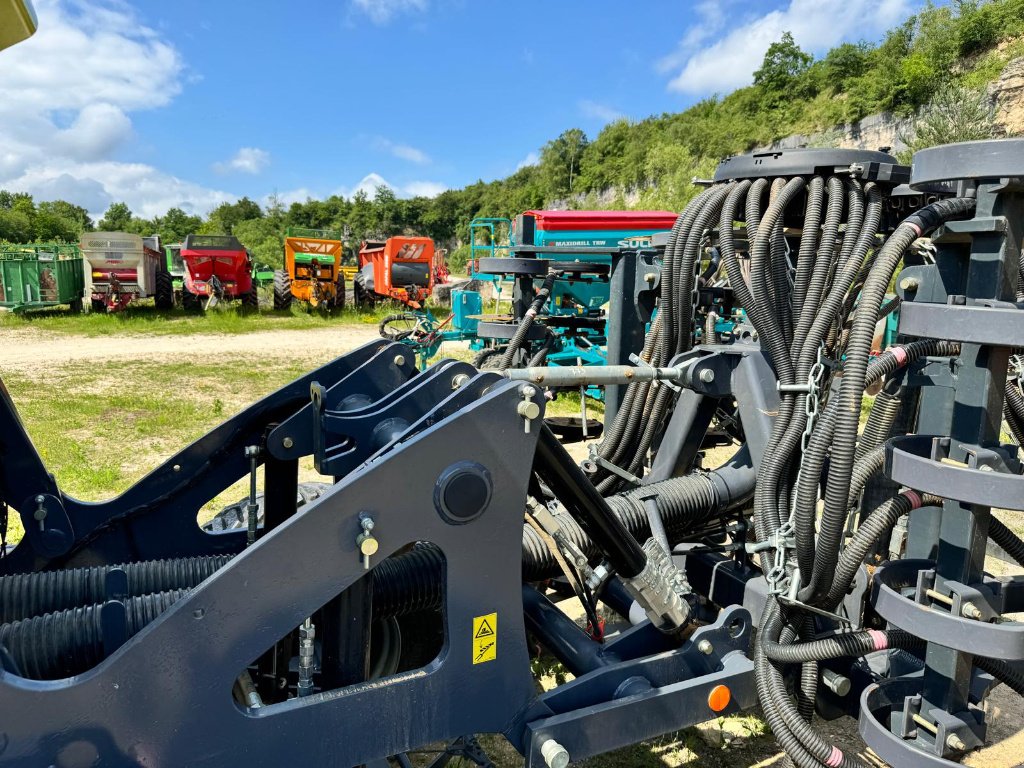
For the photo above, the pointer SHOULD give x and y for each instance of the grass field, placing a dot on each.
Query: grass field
(142, 317)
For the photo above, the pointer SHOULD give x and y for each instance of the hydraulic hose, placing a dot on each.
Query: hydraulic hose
(1002, 672)
(818, 448)
(523, 329)
(683, 503)
(852, 386)
(1007, 539)
(866, 467)
(70, 642)
(566, 480)
(25, 595)
(883, 415)
(809, 240)
(872, 529)
(841, 645)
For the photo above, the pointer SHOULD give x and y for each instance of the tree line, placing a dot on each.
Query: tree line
(942, 56)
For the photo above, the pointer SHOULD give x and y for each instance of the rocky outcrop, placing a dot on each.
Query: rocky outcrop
(888, 130)
(873, 132)
(1007, 94)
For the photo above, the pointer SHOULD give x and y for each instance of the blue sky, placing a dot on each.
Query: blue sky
(193, 102)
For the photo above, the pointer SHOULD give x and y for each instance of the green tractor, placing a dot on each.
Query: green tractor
(171, 276)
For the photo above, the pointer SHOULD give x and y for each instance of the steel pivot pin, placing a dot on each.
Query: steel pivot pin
(528, 409)
(367, 543)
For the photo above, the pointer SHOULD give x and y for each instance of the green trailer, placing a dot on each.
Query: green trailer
(41, 275)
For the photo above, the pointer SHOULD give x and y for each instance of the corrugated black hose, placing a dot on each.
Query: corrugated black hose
(844, 441)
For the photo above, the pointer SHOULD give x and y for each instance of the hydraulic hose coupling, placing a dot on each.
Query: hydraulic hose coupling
(661, 589)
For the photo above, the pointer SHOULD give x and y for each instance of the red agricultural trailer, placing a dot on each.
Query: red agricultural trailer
(217, 268)
(399, 268)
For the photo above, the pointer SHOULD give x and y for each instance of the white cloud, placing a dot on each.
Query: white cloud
(597, 111)
(148, 191)
(66, 95)
(401, 151)
(382, 11)
(707, 67)
(370, 182)
(246, 160)
(531, 159)
(98, 130)
(89, 52)
(424, 188)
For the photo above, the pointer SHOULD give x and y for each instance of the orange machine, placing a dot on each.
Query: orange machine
(399, 268)
(312, 269)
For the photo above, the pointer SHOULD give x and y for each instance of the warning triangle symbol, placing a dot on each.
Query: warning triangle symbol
(484, 630)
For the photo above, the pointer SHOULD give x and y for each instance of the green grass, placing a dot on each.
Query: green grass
(144, 318)
(155, 408)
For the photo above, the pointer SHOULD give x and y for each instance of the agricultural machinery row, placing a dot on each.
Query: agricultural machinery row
(825, 567)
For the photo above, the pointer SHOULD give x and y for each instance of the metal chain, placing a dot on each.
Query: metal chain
(812, 405)
(783, 539)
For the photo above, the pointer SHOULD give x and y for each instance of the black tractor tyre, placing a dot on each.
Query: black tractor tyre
(251, 300)
(77, 305)
(163, 297)
(339, 293)
(362, 297)
(488, 359)
(234, 517)
(98, 305)
(282, 290)
(190, 301)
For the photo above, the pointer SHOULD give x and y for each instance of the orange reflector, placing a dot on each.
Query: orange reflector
(719, 698)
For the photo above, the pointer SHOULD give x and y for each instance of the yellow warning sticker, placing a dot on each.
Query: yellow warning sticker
(485, 638)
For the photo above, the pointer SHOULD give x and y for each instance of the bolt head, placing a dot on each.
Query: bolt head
(459, 380)
(529, 391)
(40, 499)
(707, 375)
(287, 442)
(970, 610)
(399, 360)
(705, 647)
(955, 742)
(909, 284)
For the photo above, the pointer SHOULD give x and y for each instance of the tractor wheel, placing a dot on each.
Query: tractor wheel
(251, 300)
(362, 297)
(282, 290)
(164, 295)
(190, 301)
(99, 306)
(77, 305)
(339, 293)
(398, 327)
(488, 359)
(234, 518)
